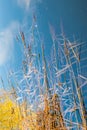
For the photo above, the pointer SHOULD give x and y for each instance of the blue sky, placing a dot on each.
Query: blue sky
(72, 14)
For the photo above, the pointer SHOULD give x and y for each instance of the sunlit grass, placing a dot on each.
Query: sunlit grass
(49, 94)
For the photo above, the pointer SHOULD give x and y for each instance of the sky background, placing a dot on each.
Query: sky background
(71, 14)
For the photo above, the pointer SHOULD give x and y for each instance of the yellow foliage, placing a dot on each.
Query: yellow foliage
(9, 115)
(13, 116)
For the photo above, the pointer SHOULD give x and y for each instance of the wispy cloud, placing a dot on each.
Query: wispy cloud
(7, 42)
(26, 4)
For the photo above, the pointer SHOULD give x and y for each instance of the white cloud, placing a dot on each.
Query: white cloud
(27, 4)
(7, 42)
(24, 3)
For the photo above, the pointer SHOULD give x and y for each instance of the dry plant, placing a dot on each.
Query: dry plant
(49, 94)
